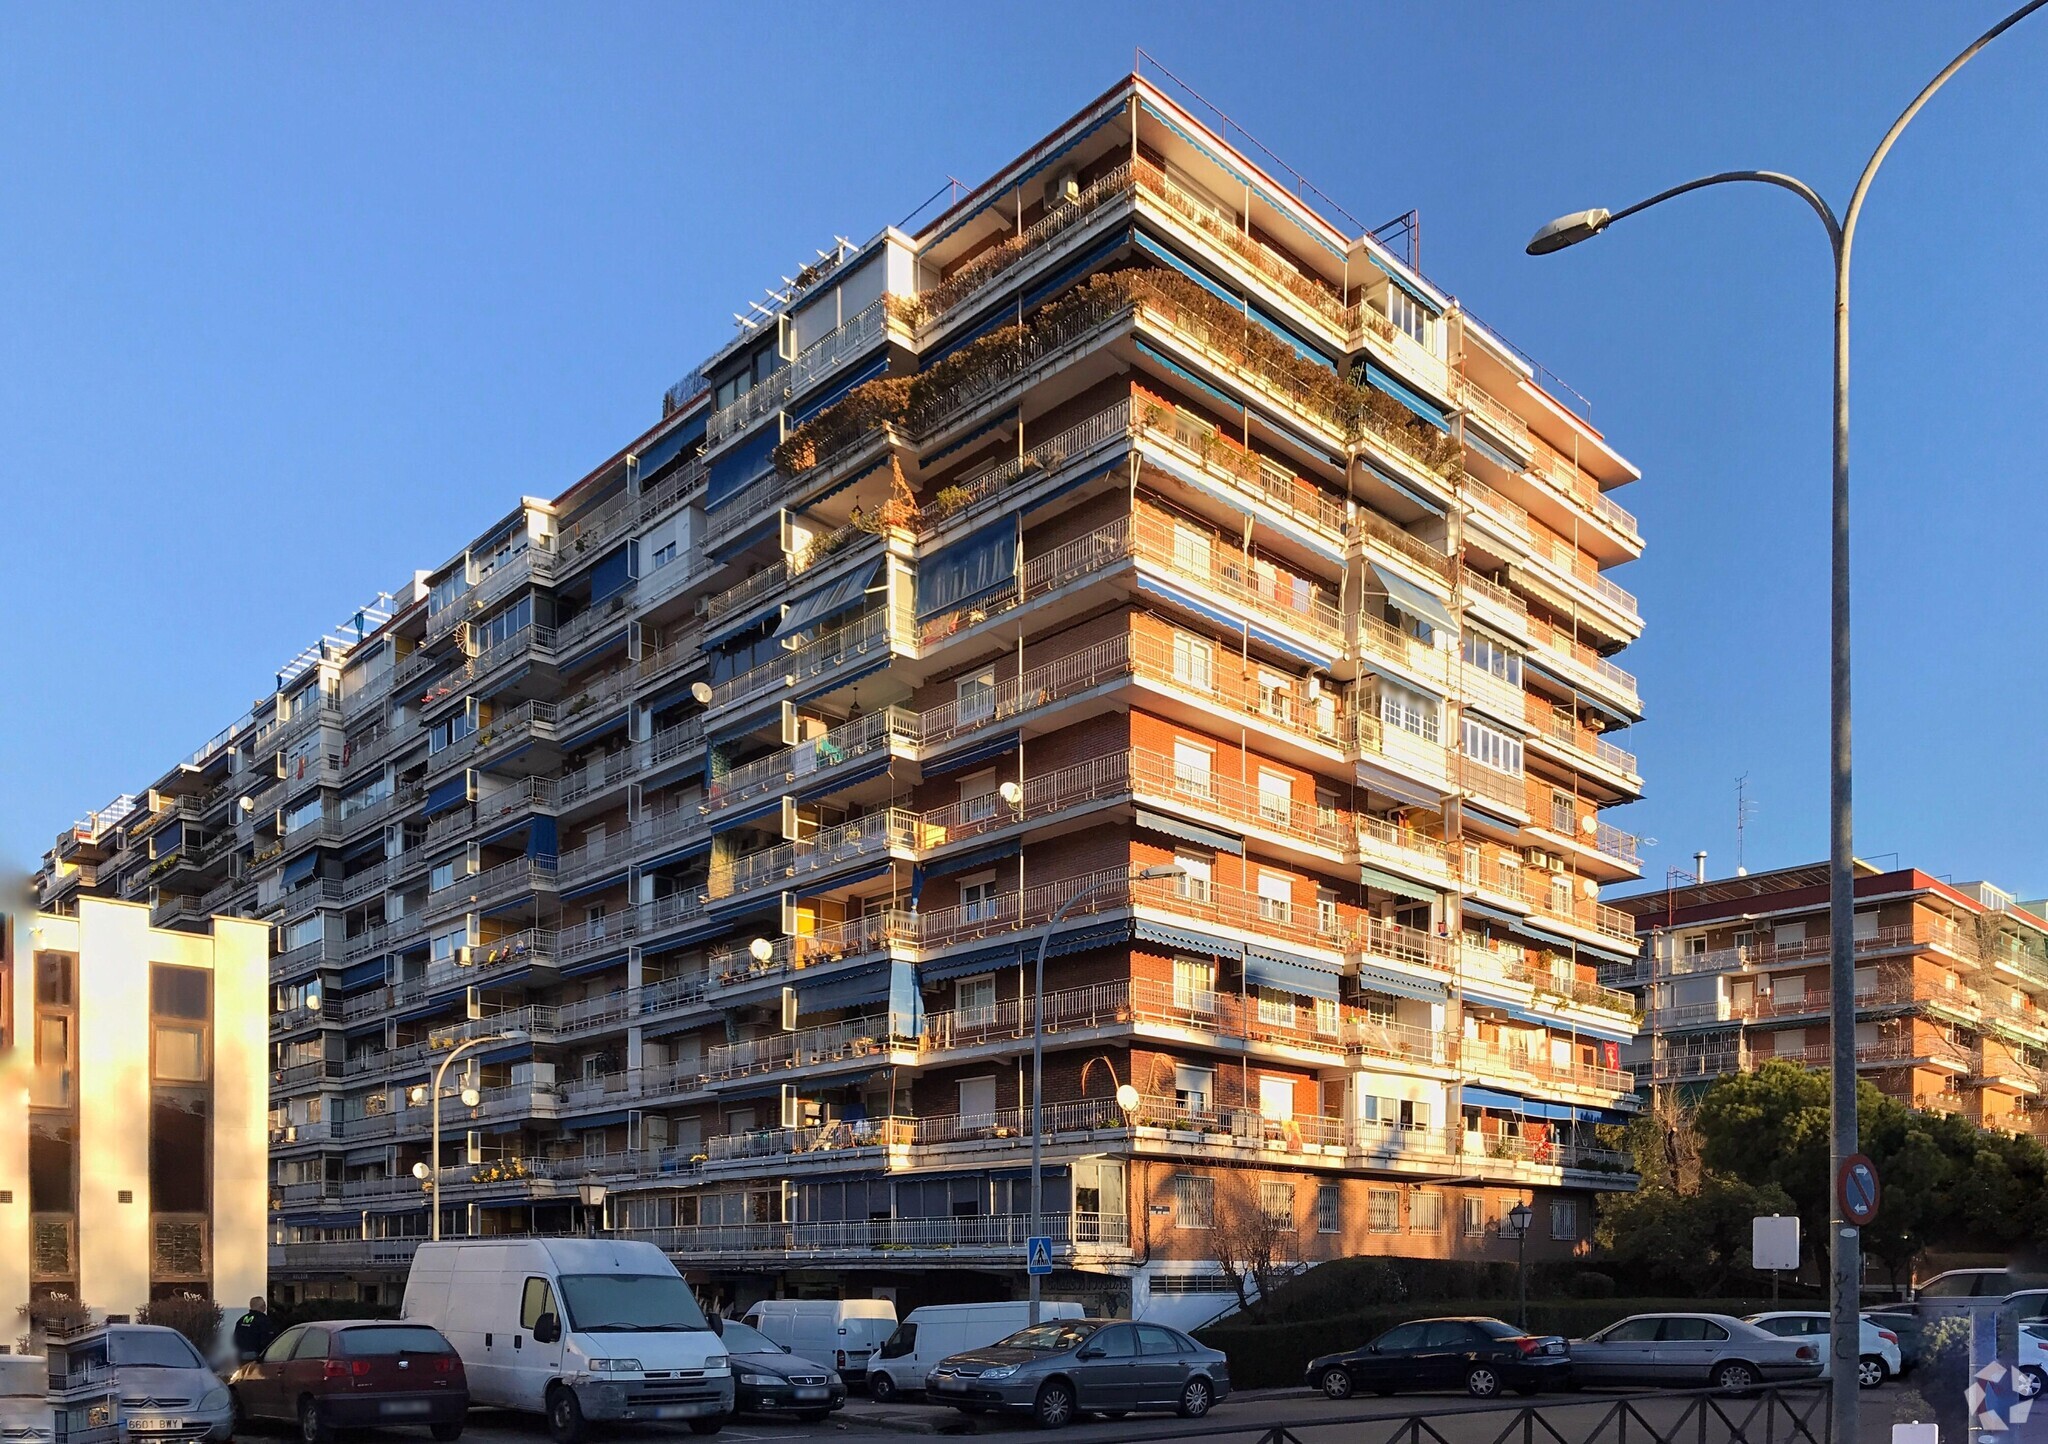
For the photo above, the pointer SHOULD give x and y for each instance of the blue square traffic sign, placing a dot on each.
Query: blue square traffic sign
(1038, 1254)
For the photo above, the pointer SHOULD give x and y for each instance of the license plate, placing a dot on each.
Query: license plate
(403, 1406)
(152, 1426)
(680, 1411)
(957, 1385)
(812, 1393)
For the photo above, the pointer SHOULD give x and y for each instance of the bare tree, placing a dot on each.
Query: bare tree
(1252, 1238)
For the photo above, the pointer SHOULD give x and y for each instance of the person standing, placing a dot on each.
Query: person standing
(254, 1330)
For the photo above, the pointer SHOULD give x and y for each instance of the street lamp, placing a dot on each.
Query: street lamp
(1149, 874)
(1845, 1283)
(592, 1194)
(430, 1171)
(1519, 1216)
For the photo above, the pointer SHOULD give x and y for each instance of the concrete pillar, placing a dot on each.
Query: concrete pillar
(113, 1105)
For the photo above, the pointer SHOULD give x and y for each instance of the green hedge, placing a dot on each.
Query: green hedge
(1273, 1355)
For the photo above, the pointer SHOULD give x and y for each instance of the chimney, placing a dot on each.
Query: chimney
(1699, 866)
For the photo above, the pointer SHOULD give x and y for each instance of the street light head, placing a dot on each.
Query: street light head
(1161, 871)
(1127, 1098)
(513, 1035)
(420, 1171)
(1519, 1216)
(1568, 231)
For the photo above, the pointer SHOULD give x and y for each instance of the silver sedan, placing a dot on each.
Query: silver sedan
(1691, 1351)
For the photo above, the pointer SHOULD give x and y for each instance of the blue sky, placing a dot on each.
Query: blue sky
(292, 300)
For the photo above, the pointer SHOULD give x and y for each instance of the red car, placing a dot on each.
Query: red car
(355, 1374)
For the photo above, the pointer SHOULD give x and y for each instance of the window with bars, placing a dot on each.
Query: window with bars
(1329, 1208)
(1383, 1210)
(1276, 1201)
(1194, 1201)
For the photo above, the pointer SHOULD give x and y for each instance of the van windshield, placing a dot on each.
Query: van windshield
(630, 1303)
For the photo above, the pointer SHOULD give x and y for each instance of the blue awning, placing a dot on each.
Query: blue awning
(834, 778)
(362, 975)
(1414, 600)
(1414, 400)
(965, 965)
(817, 402)
(1237, 302)
(1264, 968)
(597, 964)
(864, 983)
(1400, 985)
(1081, 940)
(611, 575)
(1399, 886)
(988, 747)
(452, 793)
(596, 1120)
(677, 854)
(1471, 1096)
(1189, 832)
(300, 868)
(1182, 373)
(972, 567)
(829, 601)
(585, 738)
(1259, 634)
(665, 449)
(733, 470)
(1188, 940)
(974, 857)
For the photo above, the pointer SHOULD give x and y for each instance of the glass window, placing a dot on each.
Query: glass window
(180, 1054)
(1191, 660)
(1383, 1210)
(1472, 1211)
(664, 554)
(1194, 985)
(281, 1347)
(1194, 1200)
(1152, 1339)
(1276, 1201)
(1447, 1334)
(1329, 1208)
(975, 696)
(974, 1001)
(978, 897)
(536, 1300)
(1276, 796)
(1408, 315)
(1564, 1218)
(1193, 1086)
(179, 992)
(1493, 747)
(312, 1345)
(390, 1339)
(1406, 1336)
(1196, 872)
(1492, 657)
(1276, 897)
(1426, 1213)
(148, 1349)
(54, 973)
(1631, 1331)
(1413, 712)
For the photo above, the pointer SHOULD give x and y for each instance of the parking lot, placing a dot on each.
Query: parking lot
(1243, 1417)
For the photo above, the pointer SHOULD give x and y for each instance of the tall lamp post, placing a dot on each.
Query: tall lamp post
(1149, 874)
(1846, 1269)
(1520, 1216)
(430, 1171)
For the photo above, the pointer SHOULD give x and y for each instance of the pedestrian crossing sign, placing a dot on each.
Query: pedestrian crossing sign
(1038, 1254)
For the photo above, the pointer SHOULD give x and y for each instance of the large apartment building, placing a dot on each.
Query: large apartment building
(1131, 514)
(1951, 986)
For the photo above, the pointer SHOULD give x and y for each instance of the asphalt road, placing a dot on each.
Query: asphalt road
(1239, 1420)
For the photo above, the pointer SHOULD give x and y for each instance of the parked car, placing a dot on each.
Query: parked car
(1907, 1329)
(1691, 1350)
(841, 1332)
(769, 1379)
(1877, 1348)
(574, 1329)
(1055, 1370)
(1480, 1356)
(167, 1391)
(935, 1331)
(355, 1374)
(1946, 1295)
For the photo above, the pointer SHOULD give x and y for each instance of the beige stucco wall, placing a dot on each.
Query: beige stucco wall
(115, 946)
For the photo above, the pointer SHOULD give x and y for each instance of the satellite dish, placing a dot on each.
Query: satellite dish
(247, 804)
(420, 1171)
(761, 950)
(1127, 1098)
(1011, 792)
(700, 692)
(470, 1098)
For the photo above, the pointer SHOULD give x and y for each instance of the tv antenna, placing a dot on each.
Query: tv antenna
(1745, 809)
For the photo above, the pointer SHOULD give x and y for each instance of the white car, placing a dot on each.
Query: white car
(1877, 1348)
(2030, 1368)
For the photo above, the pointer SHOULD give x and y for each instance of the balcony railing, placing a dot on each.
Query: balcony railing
(876, 834)
(806, 762)
(1197, 442)
(872, 634)
(969, 497)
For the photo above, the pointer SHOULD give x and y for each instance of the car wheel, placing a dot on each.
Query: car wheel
(2029, 1382)
(707, 1426)
(1336, 1384)
(1054, 1407)
(1870, 1372)
(565, 1416)
(1734, 1376)
(313, 1425)
(448, 1433)
(1195, 1398)
(881, 1388)
(1482, 1381)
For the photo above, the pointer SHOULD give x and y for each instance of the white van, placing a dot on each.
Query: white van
(936, 1331)
(574, 1329)
(840, 1332)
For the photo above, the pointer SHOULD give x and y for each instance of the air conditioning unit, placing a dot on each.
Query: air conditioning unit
(1061, 187)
